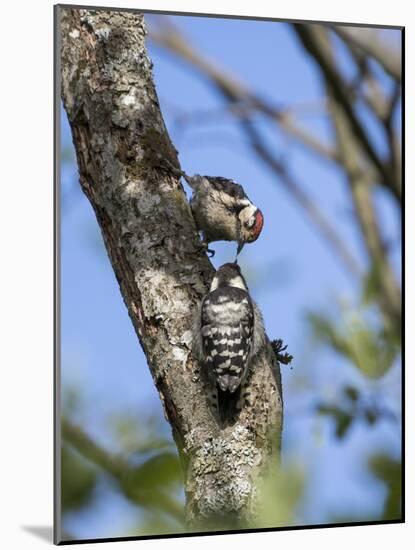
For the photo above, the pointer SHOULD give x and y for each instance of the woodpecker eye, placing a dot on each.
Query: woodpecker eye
(250, 223)
(237, 208)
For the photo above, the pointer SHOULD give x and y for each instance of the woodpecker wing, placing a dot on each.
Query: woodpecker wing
(230, 193)
(217, 188)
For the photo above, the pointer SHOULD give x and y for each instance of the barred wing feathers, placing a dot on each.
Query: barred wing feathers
(227, 331)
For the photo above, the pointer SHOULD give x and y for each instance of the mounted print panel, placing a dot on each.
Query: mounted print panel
(229, 198)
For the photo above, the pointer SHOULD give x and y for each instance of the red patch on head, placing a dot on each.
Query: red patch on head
(259, 223)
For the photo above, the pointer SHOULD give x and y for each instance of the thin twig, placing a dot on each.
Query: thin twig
(361, 191)
(383, 107)
(368, 41)
(315, 40)
(359, 179)
(236, 92)
(366, 86)
(316, 216)
(244, 101)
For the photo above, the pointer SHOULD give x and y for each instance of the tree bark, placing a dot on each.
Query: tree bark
(154, 248)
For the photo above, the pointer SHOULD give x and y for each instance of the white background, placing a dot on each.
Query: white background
(26, 255)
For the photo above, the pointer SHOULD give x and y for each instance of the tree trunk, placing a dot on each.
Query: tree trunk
(154, 248)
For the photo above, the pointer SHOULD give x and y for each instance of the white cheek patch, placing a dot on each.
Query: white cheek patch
(247, 213)
(245, 202)
(237, 282)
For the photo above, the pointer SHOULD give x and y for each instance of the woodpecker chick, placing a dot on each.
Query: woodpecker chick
(223, 211)
(228, 334)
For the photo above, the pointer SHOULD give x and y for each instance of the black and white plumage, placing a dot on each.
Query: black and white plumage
(228, 334)
(223, 211)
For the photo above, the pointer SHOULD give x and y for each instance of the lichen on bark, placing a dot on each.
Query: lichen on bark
(154, 248)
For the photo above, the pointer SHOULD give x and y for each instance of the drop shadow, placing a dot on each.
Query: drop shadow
(44, 532)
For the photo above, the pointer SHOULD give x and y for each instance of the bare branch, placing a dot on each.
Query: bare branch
(235, 91)
(395, 145)
(314, 213)
(369, 42)
(315, 41)
(243, 102)
(366, 85)
(369, 89)
(361, 187)
(361, 190)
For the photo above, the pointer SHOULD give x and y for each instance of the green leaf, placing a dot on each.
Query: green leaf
(342, 418)
(351, 393)
(78, 480)
(389, 471)
(159, 472)
(280, 493)
(364, 346)
(371, 416)
(371, 291)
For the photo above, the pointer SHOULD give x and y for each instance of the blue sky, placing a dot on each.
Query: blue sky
(289, 269)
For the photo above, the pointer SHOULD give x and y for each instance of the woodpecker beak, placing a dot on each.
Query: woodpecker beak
(240, 247)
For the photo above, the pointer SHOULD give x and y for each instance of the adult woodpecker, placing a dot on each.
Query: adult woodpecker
(222, 209)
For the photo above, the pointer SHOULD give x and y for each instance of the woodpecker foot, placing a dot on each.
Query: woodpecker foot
(278, 347)
(204, 249)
